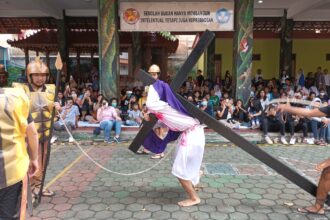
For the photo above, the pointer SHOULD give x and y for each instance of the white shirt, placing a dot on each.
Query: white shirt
(327, 79)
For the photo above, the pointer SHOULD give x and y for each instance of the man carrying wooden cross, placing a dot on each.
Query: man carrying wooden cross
(323, 187)
(190, 134)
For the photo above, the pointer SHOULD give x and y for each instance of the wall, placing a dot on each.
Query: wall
(267, 48)
(225, 48)
(310, 53)
(200, 64)
(270, 57)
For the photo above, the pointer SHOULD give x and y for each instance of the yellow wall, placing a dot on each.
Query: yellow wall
(267, 48)
(270, 57)
(200, 64)
(311, 53)
(225, 48)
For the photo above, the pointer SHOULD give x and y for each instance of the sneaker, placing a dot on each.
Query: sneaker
(71, 139)
(110, 141)
(117, 139)
(293, 140)
(268, 140)
(310, 141)
(283, 141)
(53, 139)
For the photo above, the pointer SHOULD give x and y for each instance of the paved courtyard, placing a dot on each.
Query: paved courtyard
(234, 184)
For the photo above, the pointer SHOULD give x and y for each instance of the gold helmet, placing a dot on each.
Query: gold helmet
(36, 66)
(154, 69)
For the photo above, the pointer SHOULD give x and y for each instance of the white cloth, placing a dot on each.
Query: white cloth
(327, 79)
(190, 145)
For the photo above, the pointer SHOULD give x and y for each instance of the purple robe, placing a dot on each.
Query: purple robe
(152, 142)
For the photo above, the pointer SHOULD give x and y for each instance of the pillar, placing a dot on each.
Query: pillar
(286, 45)
(163, 63)
(210, 69)
(242, 54)
(136, 51)
(27, 58)
(92, 58)
(147, 57)
(47, 58)
(130, 62)
(78, 62)
(108, 48)
(63, 44)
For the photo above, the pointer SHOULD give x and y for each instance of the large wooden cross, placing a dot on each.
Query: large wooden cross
(218, 127)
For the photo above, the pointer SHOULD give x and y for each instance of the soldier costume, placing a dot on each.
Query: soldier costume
(41, 97)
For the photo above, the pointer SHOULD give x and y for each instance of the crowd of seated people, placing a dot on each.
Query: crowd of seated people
(215, 98)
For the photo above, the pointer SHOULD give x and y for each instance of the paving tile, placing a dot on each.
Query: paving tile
(234, 186)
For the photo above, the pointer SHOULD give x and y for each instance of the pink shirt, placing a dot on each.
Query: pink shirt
(109, 113)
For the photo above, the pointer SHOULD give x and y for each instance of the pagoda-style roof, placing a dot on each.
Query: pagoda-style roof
(86, 40)
(15, 25)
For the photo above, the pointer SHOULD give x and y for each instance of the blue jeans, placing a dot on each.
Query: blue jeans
(132, 123)
(107, 127)
(316, 134)
(327, 134)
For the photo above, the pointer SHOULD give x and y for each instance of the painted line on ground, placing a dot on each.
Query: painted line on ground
(66, 169)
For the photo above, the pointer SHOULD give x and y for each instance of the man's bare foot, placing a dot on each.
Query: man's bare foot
(312, 210)
(189, 202)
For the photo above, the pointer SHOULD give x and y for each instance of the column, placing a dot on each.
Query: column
(78, 62)
(27, 58)
(136, 51)
(130, 62)
(108, 48)
(92, 58)
(286, 45)
(63, 44)
(243, 44)
(210, 69)
(147, 58)
(163, 64)
(47, 58)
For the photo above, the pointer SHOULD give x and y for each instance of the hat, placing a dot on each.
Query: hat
(154, 69)
(36, 66)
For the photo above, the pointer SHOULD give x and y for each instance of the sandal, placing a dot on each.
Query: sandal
(322, 143)
(157, 156)
(47, 193)
(142, 152)
(307, 211)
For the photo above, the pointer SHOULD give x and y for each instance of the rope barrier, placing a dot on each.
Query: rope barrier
(104, 168)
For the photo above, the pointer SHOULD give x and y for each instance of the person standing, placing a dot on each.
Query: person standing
(42, 98)
(162, 102)
(3, 76)
(200, 77)
(327, 81)
(16, 160)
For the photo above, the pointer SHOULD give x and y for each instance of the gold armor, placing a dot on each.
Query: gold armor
(41, 108)
(14, 159)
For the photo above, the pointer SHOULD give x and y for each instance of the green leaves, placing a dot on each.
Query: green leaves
(168, 35)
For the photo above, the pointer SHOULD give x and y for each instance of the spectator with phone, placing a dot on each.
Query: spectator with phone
(69, 115)
(109, 117)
